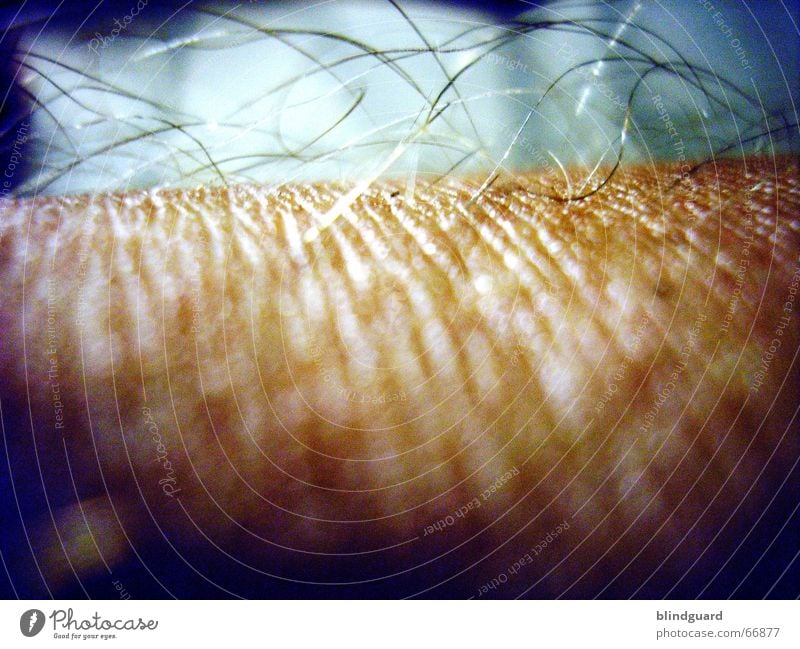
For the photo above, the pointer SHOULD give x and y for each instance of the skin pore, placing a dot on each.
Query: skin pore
(511, 396)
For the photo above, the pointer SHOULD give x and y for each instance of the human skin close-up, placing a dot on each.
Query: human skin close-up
(468, 385)
(272, 415)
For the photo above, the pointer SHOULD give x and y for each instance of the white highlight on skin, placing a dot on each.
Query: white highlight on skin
(346, 201)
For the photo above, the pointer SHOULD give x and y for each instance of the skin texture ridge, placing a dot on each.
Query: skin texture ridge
(201, 402)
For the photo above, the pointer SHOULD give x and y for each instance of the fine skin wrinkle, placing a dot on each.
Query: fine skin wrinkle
(199, 401)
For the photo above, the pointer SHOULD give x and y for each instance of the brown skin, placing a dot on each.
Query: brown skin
(345, 394)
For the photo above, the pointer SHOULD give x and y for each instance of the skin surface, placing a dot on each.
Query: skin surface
(247, 413)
